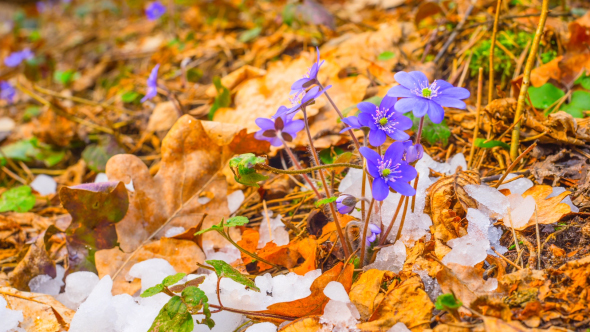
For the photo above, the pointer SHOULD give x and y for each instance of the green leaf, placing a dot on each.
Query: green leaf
(196, 299)
(19, 199)
(249, 35)
(171, 280)
(545, 95)
(387, 55)
(580, 103)
(31, 112)
(194, 75)
(447, 302)
(491, 144)
(223, 98)
(222, 269)
(231, 222)
(97, 155)
(584, 81)
(173, 317)
(153, 290)
(65, 77)
(432, 132)
(243, 167)
(325, 201)
(29, 150)
(327, 155)
(130, 97)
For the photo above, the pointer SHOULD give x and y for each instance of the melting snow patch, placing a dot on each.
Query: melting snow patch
(235, 200)
(279, 235)
(9, 318)
(44, 185)
(391, 258)
(340, 314)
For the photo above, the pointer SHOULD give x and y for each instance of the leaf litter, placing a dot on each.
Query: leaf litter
(136, 204)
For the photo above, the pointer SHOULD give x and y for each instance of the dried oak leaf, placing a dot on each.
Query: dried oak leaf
(492, 324)
(95, 209)
(181, 254)
(36, 261)
(305, 324)
(193, 156)
(365, 292)
(549, 210)
(42, 313)
(447, 203)
(314, 304)
(407, 302)
(466, 282)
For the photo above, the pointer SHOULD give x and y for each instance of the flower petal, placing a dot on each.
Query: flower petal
(458, 93)
(435, 112)
(406, 105)
(402, 187)
(371, 238)
(449, 102)
(374, 229)
(377, 137)
(420, 107)
(366, 119)
(387, 103)
(294, 127)
(420, 78)
(408, 172)
(442, 84)
(404, 122)
(398, 135)
(380, 189)
(275, 141)
(366, 107)
(373, 170)
(394, 152)
(352, 121)
(298, 85)
(406, 80)
(370, 155)
(400, 91)
(265, 124)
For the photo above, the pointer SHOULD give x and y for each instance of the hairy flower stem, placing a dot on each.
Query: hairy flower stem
(364, 240)
(386, 233)
(526, 79)
(298, 166)
(345, 244)
(417, 141)
(354, 139)
(401, 225)
(246, 252)
(307, 170)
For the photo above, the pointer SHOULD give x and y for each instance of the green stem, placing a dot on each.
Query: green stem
(307, 170)
(246, 252)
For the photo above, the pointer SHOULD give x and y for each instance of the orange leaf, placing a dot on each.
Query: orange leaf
(549, 210)
(305, 324)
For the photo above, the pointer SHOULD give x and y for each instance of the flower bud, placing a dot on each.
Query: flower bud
(413, 152)
(345, 203)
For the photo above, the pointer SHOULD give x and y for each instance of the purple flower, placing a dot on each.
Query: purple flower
(374, 229)
(303, 99)
(389, 171)
(382, 121)
(413, 152)
(7, 91)
(311, 78)
(278, 128)
(345, 203)
(15, 58)
(421, 97)
(154, 10)
(152, 84)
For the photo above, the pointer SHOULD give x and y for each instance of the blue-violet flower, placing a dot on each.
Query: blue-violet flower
(7, 91)
(413, 152)
(152, 84)
(345, 203)
(423, 98)
(382, 121)
(15, 58)
(278, 128)
(311, 78)
(302, 99)
(155, 10)
(389, 171)
(374, 229)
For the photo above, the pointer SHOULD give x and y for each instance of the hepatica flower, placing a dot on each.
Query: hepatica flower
(303, 99)
(280, 127)
(423, 98)
(345, 203)
(389, 171)
(15, 58)
(152, 84)
(382, 121)
(155, 10)
(374, 229)
(7, 91)
(311, 78)
(413, 152)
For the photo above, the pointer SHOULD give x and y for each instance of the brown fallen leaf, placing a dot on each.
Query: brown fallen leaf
(407, 302)
(549, 210)
(365, 293)
(305, 324)
(314, 304)
(163, 117)
(465, 282)
(42, 313)
(36, 261)
(492, 324)
(181, 254)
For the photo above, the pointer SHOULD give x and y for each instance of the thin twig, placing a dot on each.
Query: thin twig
(492, 46)
(454, 34)
(477, 116)
(506, 259)
(399, 206)
(364, 239)
(538, 239)
(401, 224)
(514, 163)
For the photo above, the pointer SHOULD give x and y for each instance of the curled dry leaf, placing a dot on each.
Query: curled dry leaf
(35, 262)
(466, 282)
(95, 209)
(406, 302)
(365, 293)
(549, 210)
(305, 324)
(42, 313)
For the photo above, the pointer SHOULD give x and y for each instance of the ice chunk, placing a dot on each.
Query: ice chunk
(335, 291)
(151, 272)
(391, 258)
(79, 285)
(399, 327)
(494, 235)
(416, 226)
(96, 314)
(339, 316)
(228, 253)
(101, 177)
(173, 231)
(490, 197)
(262, 327)
(129, 186)
(471, 248)
(490, 285)
(278, 235)
(517, 186)
(44, 184)
(431, 286)
(521, 211)
(556, 191)
(131, 316)
(456, 161)
(235, 200)
(567, 200)
(45, 284)
(9, 319)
